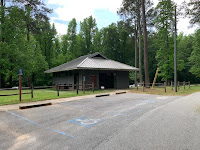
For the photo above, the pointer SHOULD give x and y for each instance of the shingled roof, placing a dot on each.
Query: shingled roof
(94, 61)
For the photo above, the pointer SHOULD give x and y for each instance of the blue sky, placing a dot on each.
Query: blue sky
(103, 11)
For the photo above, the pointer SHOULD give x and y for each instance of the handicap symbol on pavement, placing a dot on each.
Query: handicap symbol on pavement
(84, 121)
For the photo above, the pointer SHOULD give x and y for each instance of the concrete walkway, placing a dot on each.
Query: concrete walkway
(54, 101)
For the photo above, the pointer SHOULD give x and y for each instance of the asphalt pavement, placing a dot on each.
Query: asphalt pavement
(117, 122)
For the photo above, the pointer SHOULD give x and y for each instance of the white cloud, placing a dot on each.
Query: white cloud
(183, 24)
(60, 28)
(81, 9)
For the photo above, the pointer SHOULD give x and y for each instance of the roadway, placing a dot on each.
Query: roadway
(125, 121)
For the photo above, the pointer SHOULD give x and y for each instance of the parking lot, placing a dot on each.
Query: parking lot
(81, 124)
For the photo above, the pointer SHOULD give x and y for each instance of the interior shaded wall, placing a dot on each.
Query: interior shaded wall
(120, 79)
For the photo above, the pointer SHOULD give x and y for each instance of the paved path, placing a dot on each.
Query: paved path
(122, 122)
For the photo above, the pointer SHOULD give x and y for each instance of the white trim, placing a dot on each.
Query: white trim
(82, 62)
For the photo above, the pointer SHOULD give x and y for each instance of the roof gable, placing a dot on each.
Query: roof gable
(94, 61)
(97, 55)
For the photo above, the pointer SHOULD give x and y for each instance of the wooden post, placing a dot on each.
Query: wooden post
(189, 84)
(165, 87)
(184, 84)
(154, 81)
(137, 86)
(83, 87)
(57, 89)
(178, 85)
(93, 87)
(172, 85)
(143, 86)
(32, 91)
(77, 87)
(20, 88)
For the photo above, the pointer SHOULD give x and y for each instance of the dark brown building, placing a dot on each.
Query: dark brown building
(94, 68)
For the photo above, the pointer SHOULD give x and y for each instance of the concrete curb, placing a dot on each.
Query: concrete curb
(102, 95)
(33, 106)
(120, 93)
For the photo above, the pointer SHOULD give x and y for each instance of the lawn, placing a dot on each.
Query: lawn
(42, 94)
(160, 91)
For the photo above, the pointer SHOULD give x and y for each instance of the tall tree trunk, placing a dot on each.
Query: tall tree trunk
(11, 76)
(3, 84)
(140, 48)
(28, 22)
(135, 53)
(2, 20)
(146, 70)
(2, 39)
(10, 81)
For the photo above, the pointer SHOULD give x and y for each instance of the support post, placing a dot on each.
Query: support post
(165, 87)
(189, 84)
(20, 88)
(83, 87)
(143, 86)
(184, 84)
(32, 91)
(137, 86)
(172, 85)
(154, 81)
(57, 89)
(175, 54)
(77, 87)
(178, 85)
(93, 87)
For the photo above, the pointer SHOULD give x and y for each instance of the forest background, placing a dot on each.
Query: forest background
(29, 41)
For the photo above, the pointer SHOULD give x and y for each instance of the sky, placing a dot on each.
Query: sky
(104, 11)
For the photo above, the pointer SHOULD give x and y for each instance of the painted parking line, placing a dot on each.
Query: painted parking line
(85, 121)
(36, 124)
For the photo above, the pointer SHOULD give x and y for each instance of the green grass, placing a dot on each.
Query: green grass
(160, 91)
(42, 94)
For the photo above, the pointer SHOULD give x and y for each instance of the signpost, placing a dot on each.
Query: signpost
(83, 84)
(20, 73)
(175, 55)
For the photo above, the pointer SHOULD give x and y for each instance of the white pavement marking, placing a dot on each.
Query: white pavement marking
(162, 97)
(32, 122)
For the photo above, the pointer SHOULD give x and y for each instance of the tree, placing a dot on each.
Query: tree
(15, 51)
(193, 11)
(111, 42)
(72, 51)
(165, 52)
(2, 32)
(64, 44)
(146, 69)
(195, 55)
(34, 11)
(140, 46)
(88, 31)
(131, 10)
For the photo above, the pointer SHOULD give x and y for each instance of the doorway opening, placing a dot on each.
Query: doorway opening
(106, 80)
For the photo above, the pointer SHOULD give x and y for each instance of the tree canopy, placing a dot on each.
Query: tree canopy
(28, 40)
